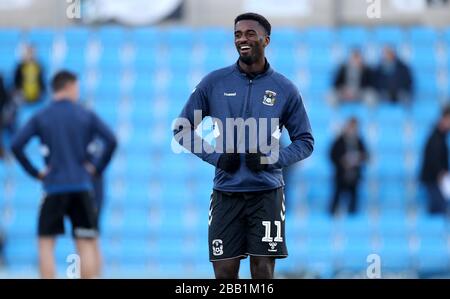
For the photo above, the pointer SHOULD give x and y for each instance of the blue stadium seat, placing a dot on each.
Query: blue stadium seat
(356, 225)
(145, 37)
(75, 60)
(179, 60)
(216, 58)
(387, 165)
(145, 59)
(10, 36)
(285, 38)
(178, 37)
(41, 38)
(112, 36)
(318, 257)
(110, 59)
(393, 223)
(319, 36)
(353, 37)
(389, 36)
(423, 58)
(21, 251)
(353, 257)
(390, 139)
(425, 113)
(214, 37)
(446, 35)
(76, 36)
(9, 44)
(282, 60)
(395, 254)
(423, 36)
(321, 62)
(390, 114)
(428, 226)
(433, 255)
(392, 194)
(23, 223)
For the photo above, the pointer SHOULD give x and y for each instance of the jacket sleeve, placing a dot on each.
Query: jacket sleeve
(184, 126)
(18, 146)
(101, 129)
(297, 123)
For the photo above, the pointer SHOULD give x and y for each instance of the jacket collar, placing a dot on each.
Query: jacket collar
(267, 71)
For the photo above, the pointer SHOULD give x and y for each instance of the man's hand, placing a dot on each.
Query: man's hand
(230, 162)
(254, 161)
(90, 168)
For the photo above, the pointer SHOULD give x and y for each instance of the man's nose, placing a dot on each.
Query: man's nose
(241, 39)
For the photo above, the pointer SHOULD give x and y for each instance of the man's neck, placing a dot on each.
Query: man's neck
(60, 98)
(254, 68)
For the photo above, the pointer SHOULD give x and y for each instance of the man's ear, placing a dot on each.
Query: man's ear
(266, 40)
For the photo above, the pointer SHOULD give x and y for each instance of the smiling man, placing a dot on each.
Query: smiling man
(247, 210)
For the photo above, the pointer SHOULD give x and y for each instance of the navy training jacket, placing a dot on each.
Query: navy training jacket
(65, 130)
(231, 93)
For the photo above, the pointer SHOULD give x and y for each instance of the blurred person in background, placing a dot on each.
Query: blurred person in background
(65, 130)
(348, 154)
(353, 81)
(435, 164)
(29, 78)
(393, 78)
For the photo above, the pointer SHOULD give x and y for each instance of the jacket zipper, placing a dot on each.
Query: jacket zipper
(249, 92)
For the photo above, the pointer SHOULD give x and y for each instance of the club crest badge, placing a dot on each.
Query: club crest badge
(269, 98)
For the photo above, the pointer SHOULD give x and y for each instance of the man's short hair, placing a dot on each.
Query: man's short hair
(61, 79)
(255, 17)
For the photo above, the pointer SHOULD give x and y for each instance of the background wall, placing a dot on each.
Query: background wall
(219, 13)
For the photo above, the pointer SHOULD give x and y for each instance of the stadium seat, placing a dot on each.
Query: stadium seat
(10, 36)
(319, 36)
(389, 36)
(214, 37)
(112, 36)
(146, 37)
(285, 38)
(41, 38)
(353, 37)
(423, 36)
(178, 38)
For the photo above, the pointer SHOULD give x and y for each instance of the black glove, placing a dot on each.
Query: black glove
(253, 162)
(229, 162)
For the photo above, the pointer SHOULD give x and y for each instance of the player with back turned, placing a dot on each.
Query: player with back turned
(247, 210)
(65, 130)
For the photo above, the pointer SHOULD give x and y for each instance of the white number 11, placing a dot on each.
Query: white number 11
(267, 237)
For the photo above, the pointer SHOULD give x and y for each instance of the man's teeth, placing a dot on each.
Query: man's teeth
(245, 48)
